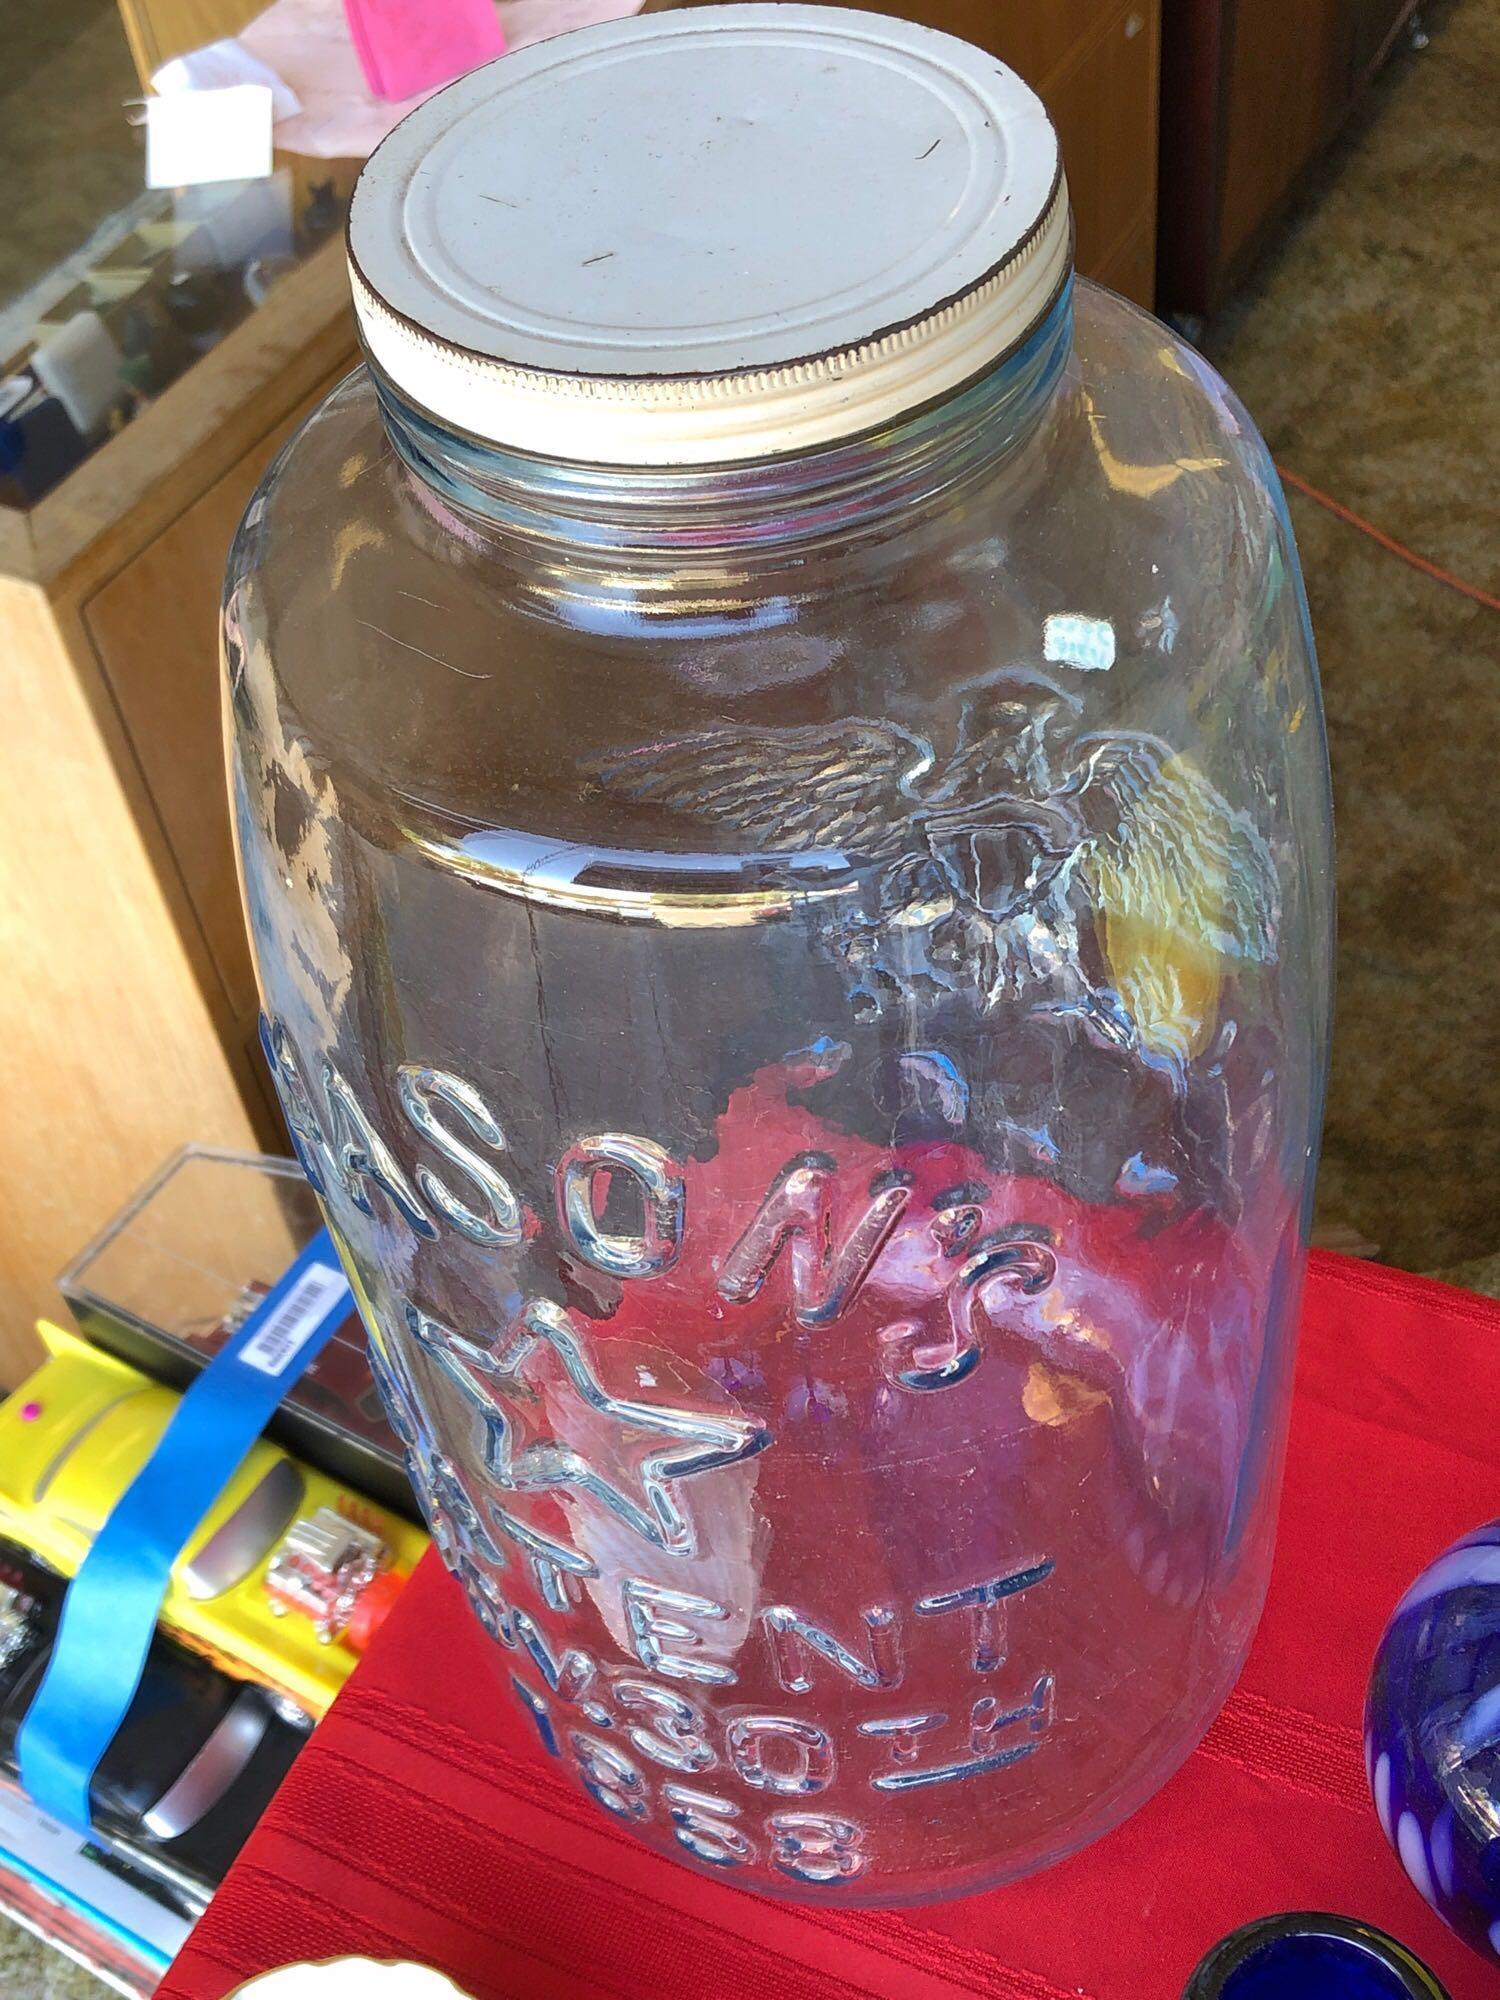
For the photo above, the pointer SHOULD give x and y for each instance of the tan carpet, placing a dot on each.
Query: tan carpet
(1366, 351)
(29, 1971)
(67, 155)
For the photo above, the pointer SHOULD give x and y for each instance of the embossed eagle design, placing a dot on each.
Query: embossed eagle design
(999, 850)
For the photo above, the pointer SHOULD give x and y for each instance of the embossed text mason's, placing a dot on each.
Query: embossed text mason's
(782, 806)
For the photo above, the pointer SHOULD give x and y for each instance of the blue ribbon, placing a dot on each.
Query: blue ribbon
(110, 1611)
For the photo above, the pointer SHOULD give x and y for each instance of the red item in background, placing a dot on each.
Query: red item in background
(422, 1823)
(372, 1607)
(409, 45)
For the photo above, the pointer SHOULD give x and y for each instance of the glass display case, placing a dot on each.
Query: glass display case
(179, 1271)
(120, 317)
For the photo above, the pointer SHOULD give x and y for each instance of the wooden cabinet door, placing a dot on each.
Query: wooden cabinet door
(1132, 268)
(113, 1058)
(1035, 37)
(1285, 89)
(155, 629)
(1104, 108)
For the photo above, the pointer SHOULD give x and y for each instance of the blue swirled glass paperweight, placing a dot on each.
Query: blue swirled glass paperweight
(1432, 1736)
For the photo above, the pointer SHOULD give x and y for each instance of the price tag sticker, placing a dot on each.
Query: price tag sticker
(209, 135)
(284, 1333)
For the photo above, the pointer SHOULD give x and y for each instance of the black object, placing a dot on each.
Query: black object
(204, 304)
(323, 214)
(1310, 1955)
(39, 447)
(156, 351)
(194, 1765)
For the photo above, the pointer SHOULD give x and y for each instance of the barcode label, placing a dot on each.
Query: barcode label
(295, 1319)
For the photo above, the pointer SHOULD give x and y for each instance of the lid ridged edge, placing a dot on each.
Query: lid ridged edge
(705, 419)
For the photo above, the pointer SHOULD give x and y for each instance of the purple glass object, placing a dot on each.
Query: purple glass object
(1308, 1955)
(1432, 1736)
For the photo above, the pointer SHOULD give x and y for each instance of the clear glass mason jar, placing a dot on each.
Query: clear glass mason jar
(795, 942)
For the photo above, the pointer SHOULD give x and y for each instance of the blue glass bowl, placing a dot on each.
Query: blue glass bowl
(1432, 1736)
(1308, 1955)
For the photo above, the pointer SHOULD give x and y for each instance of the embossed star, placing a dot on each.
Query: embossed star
(692, 1441)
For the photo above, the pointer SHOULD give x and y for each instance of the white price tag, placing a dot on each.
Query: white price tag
(295, 1320)
(208, 135)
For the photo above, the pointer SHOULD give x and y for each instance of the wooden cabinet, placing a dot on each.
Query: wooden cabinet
(127, 1008)
(157, 30)
(1252, 90)
(169, 704)
(1094, 65)
(1132, 268)
(1104, 107)
(1283, 61)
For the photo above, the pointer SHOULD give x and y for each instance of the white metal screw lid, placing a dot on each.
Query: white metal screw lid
(709, 235)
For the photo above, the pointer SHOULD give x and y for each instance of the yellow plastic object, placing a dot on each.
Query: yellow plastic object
(1179, 909)
(73, 1437)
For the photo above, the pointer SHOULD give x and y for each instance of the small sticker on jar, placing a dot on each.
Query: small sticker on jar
(1071, 640)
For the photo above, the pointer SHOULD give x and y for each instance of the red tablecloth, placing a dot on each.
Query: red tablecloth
(421, 1823)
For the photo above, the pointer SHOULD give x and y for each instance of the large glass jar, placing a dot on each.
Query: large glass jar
(782, 800)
